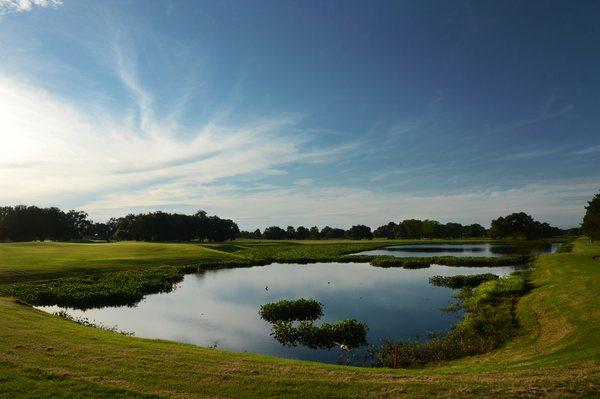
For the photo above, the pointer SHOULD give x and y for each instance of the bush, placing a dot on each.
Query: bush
(288, 310)
(349, 333)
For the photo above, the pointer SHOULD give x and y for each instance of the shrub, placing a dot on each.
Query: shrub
(349, 333)
(288, 310)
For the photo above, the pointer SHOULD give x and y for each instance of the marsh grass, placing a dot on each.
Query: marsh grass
(302, 309)
(466, 261)
(461, 280)
(125, 288)
(488, 323)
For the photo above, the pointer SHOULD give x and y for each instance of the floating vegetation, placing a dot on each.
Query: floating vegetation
(461, 281)
(293, 324)
(125, 288)
(346, 334)
(468, 261)
(288, 310)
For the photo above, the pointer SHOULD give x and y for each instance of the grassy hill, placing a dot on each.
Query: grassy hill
(557, 354)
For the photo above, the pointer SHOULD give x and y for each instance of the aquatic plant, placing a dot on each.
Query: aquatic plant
(284, 314)
(125, 288)
(288, 310)
(488, 323)
(468, 261)
(460, 281)
(346, 334)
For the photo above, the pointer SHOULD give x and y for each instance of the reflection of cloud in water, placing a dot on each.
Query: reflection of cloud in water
(221, 306)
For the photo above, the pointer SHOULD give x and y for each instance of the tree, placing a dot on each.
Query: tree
(274, 233)
(360, 232)
(386, 231)
(314, 233)
(412, 228)
(521, 225)
(430, 229)
(290, 232)
(474, 230)
(302, 233)
(591, 220)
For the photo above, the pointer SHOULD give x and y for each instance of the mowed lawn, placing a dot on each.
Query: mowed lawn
(42, 260)
(556, 355)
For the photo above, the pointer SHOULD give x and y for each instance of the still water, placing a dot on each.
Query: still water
(483, 250)
(220, 307)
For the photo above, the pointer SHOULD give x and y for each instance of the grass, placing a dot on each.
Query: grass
(556, 353)
(43, 260)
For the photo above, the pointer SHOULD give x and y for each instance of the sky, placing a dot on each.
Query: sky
(302, 112)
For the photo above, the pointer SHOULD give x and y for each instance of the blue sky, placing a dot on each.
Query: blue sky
(306, 112)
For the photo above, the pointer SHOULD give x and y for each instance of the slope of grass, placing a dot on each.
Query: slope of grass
(43, 260)
(557, 354)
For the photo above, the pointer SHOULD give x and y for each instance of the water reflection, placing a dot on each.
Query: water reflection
(483, 250)
(220, 307)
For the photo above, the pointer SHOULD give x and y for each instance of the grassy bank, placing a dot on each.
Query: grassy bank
(43, 260)
(555, 354)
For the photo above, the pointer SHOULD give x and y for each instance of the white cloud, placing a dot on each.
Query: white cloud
(51, 150)
(558, 202)
(304, 182)
(16, 6)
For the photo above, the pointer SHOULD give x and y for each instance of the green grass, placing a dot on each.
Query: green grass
(37, 261)
(556, 353)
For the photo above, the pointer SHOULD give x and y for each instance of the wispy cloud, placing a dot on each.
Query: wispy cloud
(63, 150)
(588, 150)
(558, 201)
(526, 155)
(17, 6)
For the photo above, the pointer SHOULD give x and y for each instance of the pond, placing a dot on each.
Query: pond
(483, 250)
(219, 308)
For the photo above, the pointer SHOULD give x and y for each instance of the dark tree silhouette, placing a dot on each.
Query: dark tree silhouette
(591, 220)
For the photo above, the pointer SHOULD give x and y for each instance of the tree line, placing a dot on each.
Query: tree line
(516, 225)
(31, 223)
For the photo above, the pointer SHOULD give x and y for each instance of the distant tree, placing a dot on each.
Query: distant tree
(290, 232)
(386, 231)
(257, 234)
(302, 233)
(336, 233)
(101, 231)
(246, 234)
(325, 231)
(79, 224)
(412, 228)
(591, 221)
(360, 232)
(474, 230)
(521, 225)
(274, 233)
(430, 229)
(452, 230)
(314, 233)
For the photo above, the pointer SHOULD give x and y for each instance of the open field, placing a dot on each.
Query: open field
(556, 355)
(42, 260)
